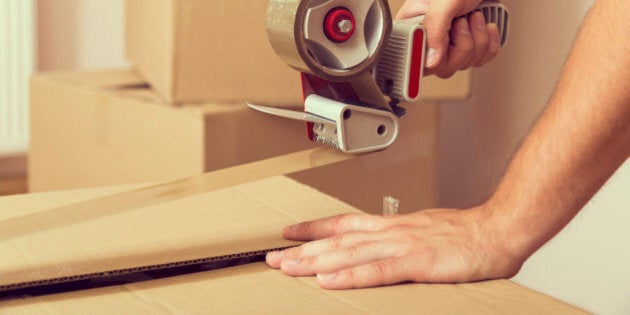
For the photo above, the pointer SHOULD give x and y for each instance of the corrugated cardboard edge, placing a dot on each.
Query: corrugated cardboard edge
(88, 210)
(131, 270)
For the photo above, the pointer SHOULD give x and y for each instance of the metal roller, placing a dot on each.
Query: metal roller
(337, 40)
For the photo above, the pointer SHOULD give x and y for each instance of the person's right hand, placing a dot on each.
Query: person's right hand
(457, 40)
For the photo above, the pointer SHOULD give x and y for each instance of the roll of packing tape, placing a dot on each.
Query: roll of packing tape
(337, 40)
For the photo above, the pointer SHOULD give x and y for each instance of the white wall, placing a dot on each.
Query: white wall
(480, 135)
(585, 265)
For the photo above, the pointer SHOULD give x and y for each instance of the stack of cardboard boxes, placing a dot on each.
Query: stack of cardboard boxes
(181, 111)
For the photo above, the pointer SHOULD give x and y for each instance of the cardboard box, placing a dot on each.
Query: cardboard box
(56, 235)
(108, 128)
(199, 50)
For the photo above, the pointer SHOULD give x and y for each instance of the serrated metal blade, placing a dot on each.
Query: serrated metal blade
(291, 114)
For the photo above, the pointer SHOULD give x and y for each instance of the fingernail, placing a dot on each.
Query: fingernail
(290, 262)
(493, 31)
(275, 255)
(326, 276)
(432, 56)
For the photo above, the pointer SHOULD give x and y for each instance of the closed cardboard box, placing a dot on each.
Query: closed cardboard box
(107, 128)
(200, 50)
(205, 222)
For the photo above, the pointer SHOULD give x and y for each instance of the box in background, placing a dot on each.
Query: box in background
(107, 128)
(199, 50)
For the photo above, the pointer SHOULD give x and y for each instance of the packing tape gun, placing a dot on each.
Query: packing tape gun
(356, 65)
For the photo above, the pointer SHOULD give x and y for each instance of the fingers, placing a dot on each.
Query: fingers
(323, 228)
(333, 261)
(438, 26)
(494, 45)
(334, 243)
(461, 50)
(367, 264)
(479, 32)
(378, 273)
(473, 43)
(438, 22)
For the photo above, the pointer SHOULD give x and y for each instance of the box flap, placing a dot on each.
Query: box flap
(180, 221)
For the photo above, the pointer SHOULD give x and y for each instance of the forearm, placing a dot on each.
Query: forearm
(581, 138)
(578, 142)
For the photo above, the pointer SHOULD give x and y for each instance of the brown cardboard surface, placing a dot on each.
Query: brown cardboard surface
(106, 128)
(199, 50)
(240, 219)
(249, 288)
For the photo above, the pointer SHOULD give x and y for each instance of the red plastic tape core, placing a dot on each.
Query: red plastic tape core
(339, 24)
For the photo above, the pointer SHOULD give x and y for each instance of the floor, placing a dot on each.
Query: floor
(13, 179)
(13, 186)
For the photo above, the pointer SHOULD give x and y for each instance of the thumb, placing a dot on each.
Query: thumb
(438, 25)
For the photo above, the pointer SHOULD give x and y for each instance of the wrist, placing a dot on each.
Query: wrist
(507, 245)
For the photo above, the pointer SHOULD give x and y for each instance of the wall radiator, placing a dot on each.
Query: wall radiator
(17, 62)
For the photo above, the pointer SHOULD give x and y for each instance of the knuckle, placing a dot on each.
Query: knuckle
(304, 227)
(480, 52)
(294, 252)
(351, 254)
(349, 276)
(353, 222)
(405, 237)
(373, 222)
(464, 47)
(447, 73)
(338, 222)
(380, 269)
(337, 241)
(493, 50)
(467, 49)
(309, 262)
(465, 66)
(481, 38)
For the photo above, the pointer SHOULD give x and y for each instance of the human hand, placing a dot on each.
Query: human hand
(456, 41)
(356, 251)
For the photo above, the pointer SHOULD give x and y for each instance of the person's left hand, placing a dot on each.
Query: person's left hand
(356, 251)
